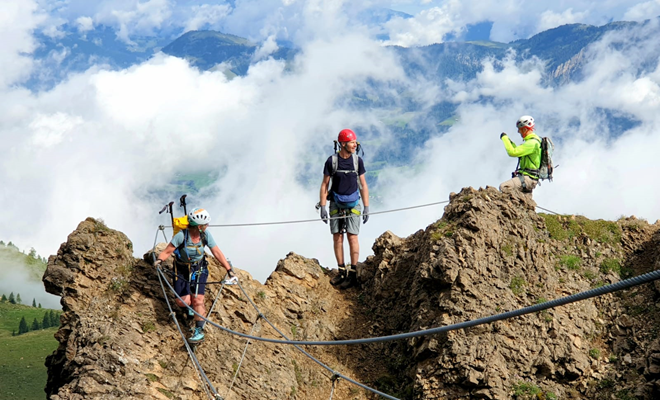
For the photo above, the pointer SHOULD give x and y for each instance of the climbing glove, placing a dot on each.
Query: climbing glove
(231, 278)
(365, 214)
(502, 135)
(324, 214)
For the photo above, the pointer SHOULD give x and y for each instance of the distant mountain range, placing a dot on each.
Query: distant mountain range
(73, 50)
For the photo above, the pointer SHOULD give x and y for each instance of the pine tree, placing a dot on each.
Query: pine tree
(22, 326)
(39, 305)
(34, 303)
(2, 243)
(35, 325)
(54, 318)
(12, 300)
(4, 298)
(45, 322)
(18, 299)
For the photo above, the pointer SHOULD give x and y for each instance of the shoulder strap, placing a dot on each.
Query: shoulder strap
(185, 238)
(205, 241)
(183, 245)
(356, 164)
(335, 163)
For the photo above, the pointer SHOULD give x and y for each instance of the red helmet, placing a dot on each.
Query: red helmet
(346, 135)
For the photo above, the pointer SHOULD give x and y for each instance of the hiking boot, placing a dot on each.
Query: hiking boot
(340, 277)
(197, 336)
(351, 278)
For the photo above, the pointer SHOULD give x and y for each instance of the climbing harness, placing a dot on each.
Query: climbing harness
(343, 213)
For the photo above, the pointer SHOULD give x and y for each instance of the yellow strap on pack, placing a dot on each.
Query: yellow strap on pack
(180, 224)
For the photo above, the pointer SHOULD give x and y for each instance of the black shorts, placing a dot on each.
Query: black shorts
(184, 284)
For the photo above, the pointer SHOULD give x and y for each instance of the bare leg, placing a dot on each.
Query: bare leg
(186, 301)
(338, 242)
(354, 246)
(198, 306)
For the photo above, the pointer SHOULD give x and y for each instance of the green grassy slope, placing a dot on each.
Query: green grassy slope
(22, 371)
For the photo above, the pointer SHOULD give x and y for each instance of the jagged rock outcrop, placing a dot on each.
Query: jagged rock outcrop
(488, 254)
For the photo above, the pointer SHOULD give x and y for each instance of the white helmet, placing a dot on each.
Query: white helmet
(525, 121)
(198, 216)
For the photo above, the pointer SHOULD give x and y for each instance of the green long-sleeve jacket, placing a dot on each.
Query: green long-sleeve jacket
(528, 153)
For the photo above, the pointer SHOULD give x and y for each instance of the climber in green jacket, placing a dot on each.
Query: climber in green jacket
(526, 176)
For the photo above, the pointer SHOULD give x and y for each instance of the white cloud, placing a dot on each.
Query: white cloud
(17, 20)
(50, 130)
(428, 27)
(14, 279)
(143, 19)
(551, 19)
(206, 15)
(643, 11)
(53, 28)
(268, 47)
(84, 24)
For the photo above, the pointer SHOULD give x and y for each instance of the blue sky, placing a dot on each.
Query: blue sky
(96, 143)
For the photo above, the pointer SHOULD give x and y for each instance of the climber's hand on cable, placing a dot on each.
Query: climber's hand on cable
(231, 278)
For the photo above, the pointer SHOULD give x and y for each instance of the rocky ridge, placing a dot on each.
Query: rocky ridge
(489, 253)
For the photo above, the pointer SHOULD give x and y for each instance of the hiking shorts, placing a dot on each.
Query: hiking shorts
(184, 285)
(515, 184)
(352, 222)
